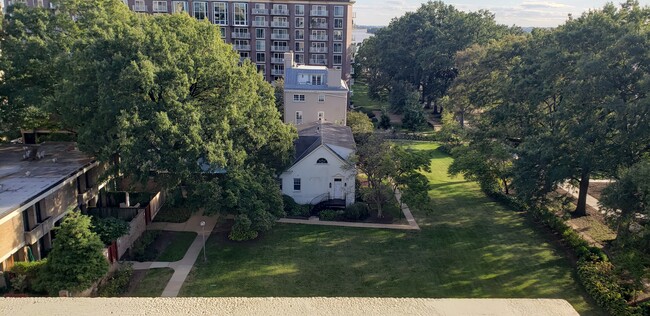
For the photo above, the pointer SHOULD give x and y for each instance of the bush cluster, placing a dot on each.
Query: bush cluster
(26, 277)
(330, 215)
(291, 208)
(595, 272)
(142, 250)
(356, 212)
(242, 229)
(117, 284)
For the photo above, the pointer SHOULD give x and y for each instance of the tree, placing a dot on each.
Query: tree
(109, 229)
(76, 260)
(418, 48)
(488, 162)
(360, 124)
(414, 117)
(278, 92)
(388, 168)
(384, 120)
(162, 95)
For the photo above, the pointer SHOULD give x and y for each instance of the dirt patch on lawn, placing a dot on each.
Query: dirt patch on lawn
(596, 189)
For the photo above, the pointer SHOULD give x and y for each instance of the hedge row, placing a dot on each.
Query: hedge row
(595, 272)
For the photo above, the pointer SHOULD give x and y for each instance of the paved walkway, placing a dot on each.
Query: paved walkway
(182, 267)
(412, 224)
(591, 201)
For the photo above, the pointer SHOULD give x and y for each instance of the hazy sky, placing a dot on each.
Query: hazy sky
(519, 12)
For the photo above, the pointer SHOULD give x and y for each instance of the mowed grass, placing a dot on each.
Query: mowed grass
(469, 247)
(153, 283)
(177, 247)
(362, 100)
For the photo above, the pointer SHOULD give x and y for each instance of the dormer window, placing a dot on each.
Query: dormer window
(321, 161)
(309, 79)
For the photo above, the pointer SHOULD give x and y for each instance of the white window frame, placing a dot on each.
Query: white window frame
(297, 182)
(301, 11)
(339, 7)
(236, 6)
(224, 14)
(298, 98)
(321, 98)
(184, 7)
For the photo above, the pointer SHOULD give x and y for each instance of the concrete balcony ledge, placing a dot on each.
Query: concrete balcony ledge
(39, 231)
(260, 11)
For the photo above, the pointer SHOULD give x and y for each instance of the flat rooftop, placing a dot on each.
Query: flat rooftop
(21, 180)
(284, 306)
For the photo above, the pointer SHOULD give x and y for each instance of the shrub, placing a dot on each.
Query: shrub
(173, 214)
(329, 215)
(370, 114)
(27, 276)
(600, 282)
(242, 229)
(141, 250)
(294, 209)
(356, 211)
(118, 283)
(109, 229)
(76, 260)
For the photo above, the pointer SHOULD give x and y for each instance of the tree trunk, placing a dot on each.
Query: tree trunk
(380, 212)
(505, 186)
(462, 119)
(581, 208)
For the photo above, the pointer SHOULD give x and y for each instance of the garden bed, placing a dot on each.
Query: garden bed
(156, 245)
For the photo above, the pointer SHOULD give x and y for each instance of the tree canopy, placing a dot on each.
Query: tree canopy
(162, 95)
(418, 49)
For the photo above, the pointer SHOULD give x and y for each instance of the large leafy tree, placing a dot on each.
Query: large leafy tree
(76, 260)
(419, 47)
(161, 96)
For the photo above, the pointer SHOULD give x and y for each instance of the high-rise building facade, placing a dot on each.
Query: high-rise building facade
(318, 32)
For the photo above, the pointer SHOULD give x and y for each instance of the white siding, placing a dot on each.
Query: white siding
(316, 178)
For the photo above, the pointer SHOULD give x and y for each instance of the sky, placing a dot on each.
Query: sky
(520, 12)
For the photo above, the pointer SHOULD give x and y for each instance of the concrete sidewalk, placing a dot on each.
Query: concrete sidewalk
(182, 267)
(573, 191)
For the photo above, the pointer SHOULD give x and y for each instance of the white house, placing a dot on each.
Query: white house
(322, 170)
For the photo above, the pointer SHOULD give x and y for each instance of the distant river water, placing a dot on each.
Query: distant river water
(358, 35)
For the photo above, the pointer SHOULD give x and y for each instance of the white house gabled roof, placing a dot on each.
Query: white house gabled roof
(337, 138)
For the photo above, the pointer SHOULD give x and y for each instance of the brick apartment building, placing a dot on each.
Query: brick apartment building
(39, 185)
(318, 32)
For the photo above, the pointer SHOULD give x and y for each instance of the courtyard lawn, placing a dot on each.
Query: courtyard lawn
(469, 247)
(177, 247)
(362, 100)
(153, 283)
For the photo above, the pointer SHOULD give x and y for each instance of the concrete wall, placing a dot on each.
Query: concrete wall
(316, 178)
(334, 106)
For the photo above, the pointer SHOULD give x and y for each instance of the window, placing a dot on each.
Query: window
(296, 182)
(300, 35)
(321, 118)
(298, 117)
(338, 23)
(220, 13)
(300, 9)
(338, 35)
(244, 55)
(260, 45)
(200, 10)
(318, 23)
(260, 6)
(338, 10)
(160, 6)
(299, 58)
(260, 57)
(240, 16)
(321, 98)
(259, 33)
(300, 22)
(299, 98)
(317, 80)
(222, 31)
(338, 48)
(179, 6)
(261, 68)
(300, 46)
(260, 21)
(321, 160)
(338, 60)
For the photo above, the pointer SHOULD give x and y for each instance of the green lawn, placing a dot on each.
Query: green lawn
(177, 247)
(362, 100)
(468, 247)
(153, 284)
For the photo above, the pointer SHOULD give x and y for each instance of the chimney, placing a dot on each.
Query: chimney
(288, 60)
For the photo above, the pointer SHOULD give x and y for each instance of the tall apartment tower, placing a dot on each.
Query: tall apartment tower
(318, 32)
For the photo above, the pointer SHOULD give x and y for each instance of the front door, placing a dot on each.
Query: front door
(338, 188)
